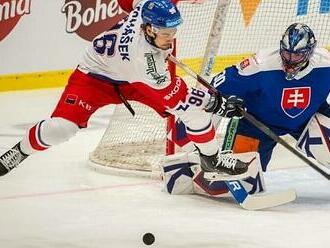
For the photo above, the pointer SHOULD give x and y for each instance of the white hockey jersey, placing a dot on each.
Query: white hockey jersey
(122, 54)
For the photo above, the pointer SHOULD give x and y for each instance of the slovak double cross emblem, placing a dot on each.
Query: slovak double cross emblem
(295, 100)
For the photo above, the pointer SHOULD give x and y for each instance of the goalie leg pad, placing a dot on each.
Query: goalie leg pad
(182, 175)
(248, 139)
(314, 140)
(178, 171)
(219, 188)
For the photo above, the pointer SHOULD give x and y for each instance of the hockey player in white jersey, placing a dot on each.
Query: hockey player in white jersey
(129, 62)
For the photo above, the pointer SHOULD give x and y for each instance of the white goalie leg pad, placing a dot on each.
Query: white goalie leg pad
(182, 175)
(314, 140)
(178, 171)
(253, 184)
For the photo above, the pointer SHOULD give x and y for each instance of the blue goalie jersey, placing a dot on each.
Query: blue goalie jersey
(283, 105)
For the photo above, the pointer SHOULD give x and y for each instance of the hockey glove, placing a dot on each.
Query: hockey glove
(225, 107)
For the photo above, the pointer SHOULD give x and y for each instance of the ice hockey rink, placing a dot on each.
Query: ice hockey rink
(56, 200)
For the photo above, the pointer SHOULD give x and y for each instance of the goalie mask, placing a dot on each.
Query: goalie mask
(163, 17)
(296, 47)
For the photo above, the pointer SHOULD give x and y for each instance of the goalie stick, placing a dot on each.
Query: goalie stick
(259, 201)
(323, 170)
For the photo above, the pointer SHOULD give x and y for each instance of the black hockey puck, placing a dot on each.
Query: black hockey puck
(148, 238)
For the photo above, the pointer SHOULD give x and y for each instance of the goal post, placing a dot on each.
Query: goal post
(214, 35)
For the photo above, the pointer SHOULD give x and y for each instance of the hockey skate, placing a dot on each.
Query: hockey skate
(223, 166)
(11, 159)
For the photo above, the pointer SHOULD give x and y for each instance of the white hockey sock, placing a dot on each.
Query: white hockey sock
(46, 133)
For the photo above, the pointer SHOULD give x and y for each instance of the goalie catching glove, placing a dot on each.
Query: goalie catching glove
(226, 107)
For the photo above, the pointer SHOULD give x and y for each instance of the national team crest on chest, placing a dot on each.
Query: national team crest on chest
(295, 100)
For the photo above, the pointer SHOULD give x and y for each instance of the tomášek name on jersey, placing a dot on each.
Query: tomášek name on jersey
(128, 35)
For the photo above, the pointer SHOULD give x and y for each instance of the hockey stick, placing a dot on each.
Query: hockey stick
(262, 127)
(259, 201)
(324, 171)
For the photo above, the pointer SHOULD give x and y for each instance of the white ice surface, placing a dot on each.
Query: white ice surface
(55, 200)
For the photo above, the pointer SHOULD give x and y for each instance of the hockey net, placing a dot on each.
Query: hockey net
(215, 34)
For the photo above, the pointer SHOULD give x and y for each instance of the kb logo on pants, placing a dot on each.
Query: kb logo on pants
(85, 105)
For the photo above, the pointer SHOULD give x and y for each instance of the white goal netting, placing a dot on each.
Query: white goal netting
(220, 31)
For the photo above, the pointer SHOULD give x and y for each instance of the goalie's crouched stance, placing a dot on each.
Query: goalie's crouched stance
(182, 175)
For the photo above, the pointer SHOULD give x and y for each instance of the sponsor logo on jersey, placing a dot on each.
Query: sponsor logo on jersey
(245, 63)
(88, 18)
(152, 69)
(295, 100)
(175, 90)
(10, 14)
